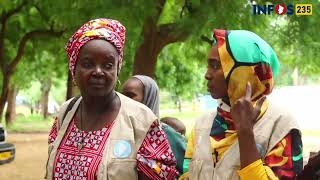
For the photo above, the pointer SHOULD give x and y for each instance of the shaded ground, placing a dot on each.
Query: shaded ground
(31, 154)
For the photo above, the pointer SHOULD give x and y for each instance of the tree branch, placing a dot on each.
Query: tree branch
(42, 14)
(24, 40)
(206, 39)
(171, 33)
(3, 19)
(187, 6)
(5, 16)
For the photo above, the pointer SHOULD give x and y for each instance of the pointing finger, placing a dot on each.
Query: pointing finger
(248, 92)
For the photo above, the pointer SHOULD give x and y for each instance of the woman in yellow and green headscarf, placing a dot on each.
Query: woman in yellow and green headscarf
(247, 136)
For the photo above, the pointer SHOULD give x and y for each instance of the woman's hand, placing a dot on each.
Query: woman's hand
(243, 113)
(244, 116)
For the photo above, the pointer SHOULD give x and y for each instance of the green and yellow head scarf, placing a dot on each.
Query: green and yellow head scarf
(245, 57)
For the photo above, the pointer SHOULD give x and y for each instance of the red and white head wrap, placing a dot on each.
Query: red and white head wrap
(110, 30)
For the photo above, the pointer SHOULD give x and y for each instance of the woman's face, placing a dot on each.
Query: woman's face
(96, 68)
(133, 88)
(217, 86)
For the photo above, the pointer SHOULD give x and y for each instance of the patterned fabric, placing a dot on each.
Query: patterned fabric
(110, 30)
(53, 132)
(155, 158)
(244, 54)
(286, 157)
(222, 123)
(70, 163)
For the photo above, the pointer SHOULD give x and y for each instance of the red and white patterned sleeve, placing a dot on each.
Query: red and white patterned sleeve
(155, 157)
(53, 132)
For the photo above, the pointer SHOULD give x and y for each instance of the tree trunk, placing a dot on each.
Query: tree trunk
(145, 59)
(155, 38)
(295, 76)
(70, 87)
(4, 92)
(147, 53)
(179, 104)
(10, 115)
(45, 89)
(38, 106)
(9, 68)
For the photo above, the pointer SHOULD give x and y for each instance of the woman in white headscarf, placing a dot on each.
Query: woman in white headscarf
(145, 90)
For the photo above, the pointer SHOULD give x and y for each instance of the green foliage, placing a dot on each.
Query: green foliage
(285, 76)
(32, 93)
(181, 66)
(171, 12)
(296, 41)
(181, 70)
(58, 90)
(6, 5)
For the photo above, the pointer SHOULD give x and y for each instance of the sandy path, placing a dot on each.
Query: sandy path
(31, 154)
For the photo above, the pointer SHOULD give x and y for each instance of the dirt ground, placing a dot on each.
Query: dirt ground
(30, 159)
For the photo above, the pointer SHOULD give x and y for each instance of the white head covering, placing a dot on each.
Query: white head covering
(150, 93)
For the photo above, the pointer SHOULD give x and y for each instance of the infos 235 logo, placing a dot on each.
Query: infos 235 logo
(282, 9)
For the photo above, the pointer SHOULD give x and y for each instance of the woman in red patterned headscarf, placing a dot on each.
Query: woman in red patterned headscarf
(103, 134)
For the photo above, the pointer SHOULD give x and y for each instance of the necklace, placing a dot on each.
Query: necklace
(82, 143)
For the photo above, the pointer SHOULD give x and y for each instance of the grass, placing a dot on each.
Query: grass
(32, 123)
(36, 123)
